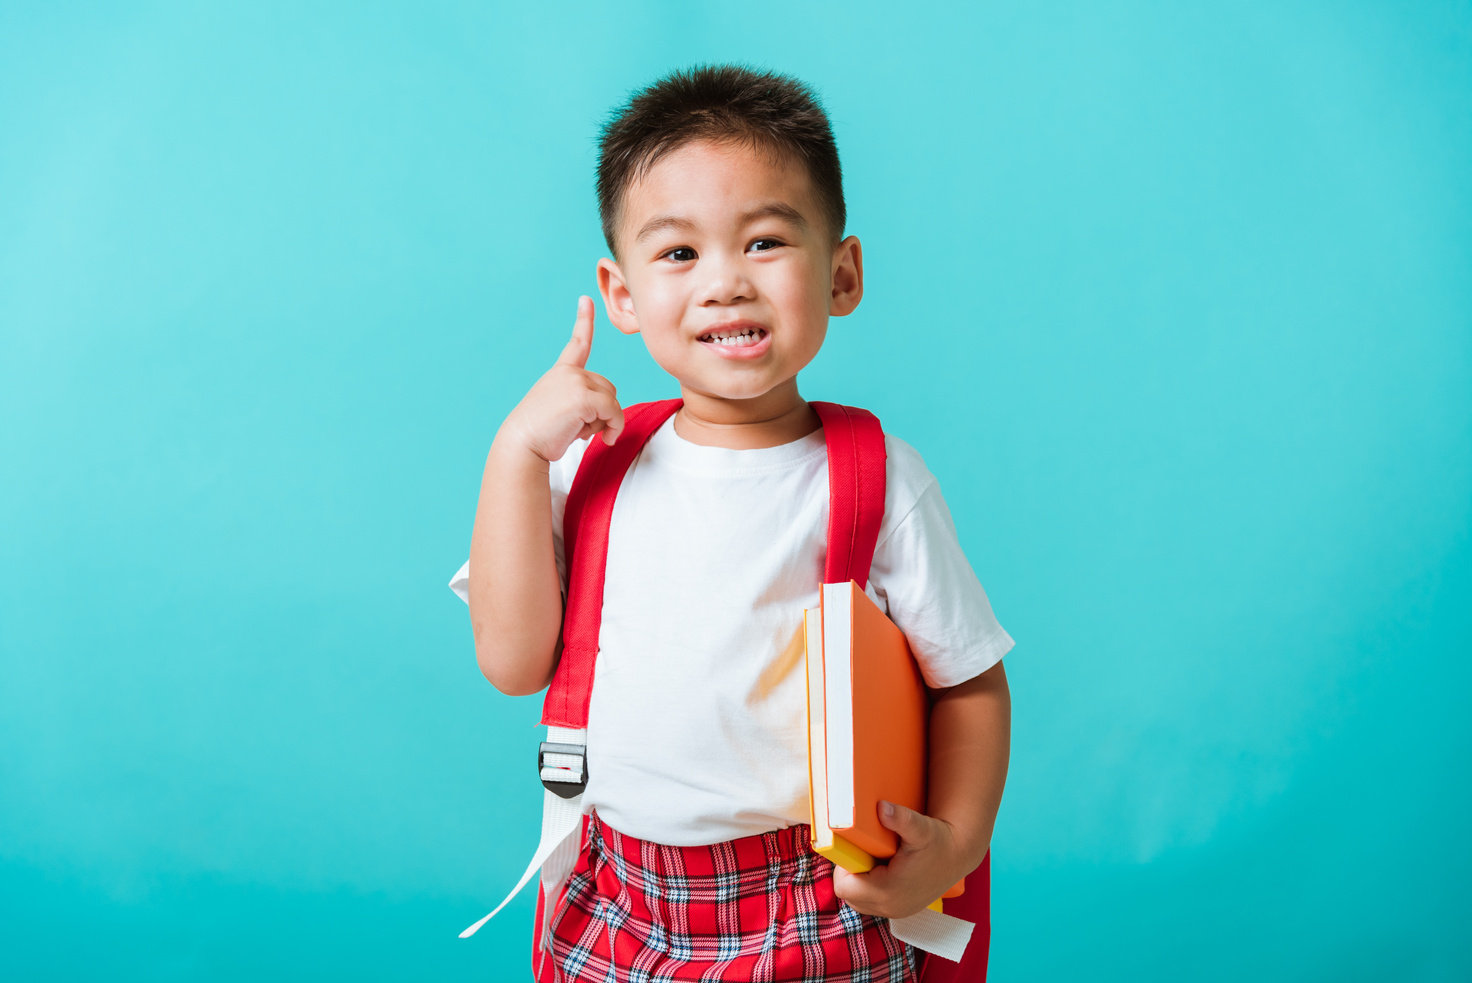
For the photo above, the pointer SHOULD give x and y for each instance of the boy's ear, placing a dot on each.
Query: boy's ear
(617, 300)
(848, 277)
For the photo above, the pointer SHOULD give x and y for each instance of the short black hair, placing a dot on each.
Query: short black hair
(718, 102)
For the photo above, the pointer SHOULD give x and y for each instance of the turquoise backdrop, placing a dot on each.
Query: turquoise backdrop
(1175, 299)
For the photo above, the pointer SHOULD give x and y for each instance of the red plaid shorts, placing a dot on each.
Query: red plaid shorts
(759, 908)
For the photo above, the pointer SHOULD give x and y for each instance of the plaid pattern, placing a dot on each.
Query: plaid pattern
(760, 908)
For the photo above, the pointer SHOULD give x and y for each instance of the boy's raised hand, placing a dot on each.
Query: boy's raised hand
(568, 403)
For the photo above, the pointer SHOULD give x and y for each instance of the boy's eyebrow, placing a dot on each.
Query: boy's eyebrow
(771, 209)
(775, 209)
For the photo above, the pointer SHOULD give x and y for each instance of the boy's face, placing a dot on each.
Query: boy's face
(728, 270)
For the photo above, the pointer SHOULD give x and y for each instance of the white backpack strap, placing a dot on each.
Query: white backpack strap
(944, 935)
(562, 816)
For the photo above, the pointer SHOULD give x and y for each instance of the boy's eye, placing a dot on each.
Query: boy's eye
(680, 254)
(765, 245)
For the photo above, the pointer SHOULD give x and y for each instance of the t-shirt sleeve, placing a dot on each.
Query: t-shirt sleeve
(559, 477)
(921, 574)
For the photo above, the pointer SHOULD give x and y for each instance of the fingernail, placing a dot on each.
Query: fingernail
(887, 808)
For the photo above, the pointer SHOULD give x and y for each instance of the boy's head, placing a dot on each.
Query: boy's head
(721, 198)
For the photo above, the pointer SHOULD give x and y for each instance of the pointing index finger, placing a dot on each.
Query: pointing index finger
(581, 344)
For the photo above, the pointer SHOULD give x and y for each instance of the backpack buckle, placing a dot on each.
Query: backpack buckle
(564, 768)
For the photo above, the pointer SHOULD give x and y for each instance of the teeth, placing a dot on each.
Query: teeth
(740, 339)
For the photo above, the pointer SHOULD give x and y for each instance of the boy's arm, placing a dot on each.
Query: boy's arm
(515, 594)
(970, 737)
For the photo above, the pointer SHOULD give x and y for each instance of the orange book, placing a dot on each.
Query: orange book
(868, 720)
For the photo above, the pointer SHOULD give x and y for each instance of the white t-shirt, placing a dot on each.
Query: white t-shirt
(697, 728)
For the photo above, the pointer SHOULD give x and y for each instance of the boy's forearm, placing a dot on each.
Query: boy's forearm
(515, 595)
(970, 739)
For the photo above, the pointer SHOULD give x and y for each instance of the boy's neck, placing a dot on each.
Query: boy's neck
(770, 420)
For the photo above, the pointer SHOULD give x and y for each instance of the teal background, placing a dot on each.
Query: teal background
(1175, 299)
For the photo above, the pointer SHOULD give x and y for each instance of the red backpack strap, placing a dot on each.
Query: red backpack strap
(585, 525)
(856, 488)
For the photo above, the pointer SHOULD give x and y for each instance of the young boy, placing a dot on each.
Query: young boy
(722, 203)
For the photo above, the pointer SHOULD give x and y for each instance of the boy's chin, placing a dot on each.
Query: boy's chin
(731, 391)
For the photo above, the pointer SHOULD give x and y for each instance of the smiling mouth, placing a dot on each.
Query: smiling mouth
(737, 338)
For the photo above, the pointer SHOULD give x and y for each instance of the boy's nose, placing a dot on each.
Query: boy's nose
(726, 282)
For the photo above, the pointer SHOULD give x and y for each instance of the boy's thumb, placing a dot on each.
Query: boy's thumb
(904, 821)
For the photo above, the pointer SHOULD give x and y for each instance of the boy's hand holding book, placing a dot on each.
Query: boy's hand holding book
(926, 865)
